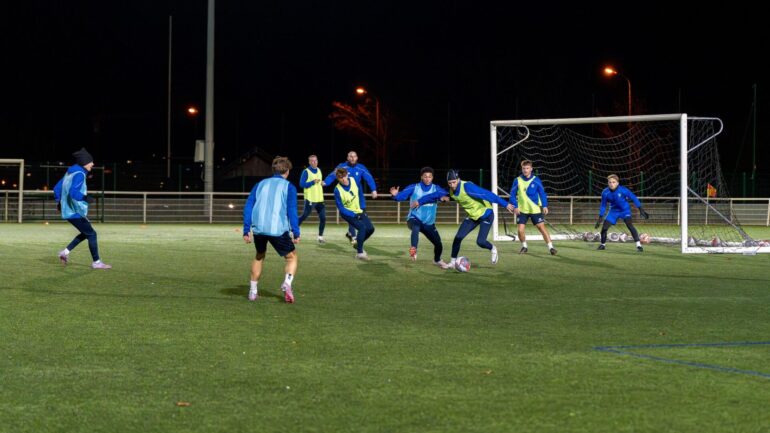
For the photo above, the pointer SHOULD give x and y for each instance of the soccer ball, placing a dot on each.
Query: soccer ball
(463, 264)
(644, 238)
(588, 237)
(716, 242)
(623, 237)
(614, 237)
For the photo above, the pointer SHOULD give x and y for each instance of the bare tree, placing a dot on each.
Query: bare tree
(369, 120)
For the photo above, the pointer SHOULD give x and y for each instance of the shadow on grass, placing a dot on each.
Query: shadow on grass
(243, 292)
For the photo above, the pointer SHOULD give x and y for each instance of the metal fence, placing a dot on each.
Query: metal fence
(197, 207)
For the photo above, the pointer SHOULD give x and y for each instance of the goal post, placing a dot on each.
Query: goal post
(20, 184)
(670, 161)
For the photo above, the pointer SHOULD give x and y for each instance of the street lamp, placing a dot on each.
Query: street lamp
(362, 91)
(610, 71)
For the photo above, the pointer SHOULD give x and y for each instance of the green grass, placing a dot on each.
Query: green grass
(383, 346)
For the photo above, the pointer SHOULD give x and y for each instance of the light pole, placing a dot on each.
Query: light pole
(610, 71)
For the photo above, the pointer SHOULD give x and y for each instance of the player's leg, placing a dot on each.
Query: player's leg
(431, 233)
(605, 227)
(367, 225)
(630, 224)
(466, 227)
(65, 253)
(357, 225)
(321, 209)
(540, 224)
(260, 244)
(415, 227)
(305, 211)
(521, 220)
(87, 229)
(485, 225)
(284, 246)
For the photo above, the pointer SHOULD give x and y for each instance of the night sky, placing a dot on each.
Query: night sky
(95, 73)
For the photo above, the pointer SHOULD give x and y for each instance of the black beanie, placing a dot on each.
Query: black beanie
(452, 174)
(82, 157)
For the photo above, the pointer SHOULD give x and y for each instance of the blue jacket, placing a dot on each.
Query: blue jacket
(303, 179)
(618, 200)
(426, 212)
(474, 191)
(534, 192)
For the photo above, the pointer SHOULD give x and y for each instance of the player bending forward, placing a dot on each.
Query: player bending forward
(617, 196)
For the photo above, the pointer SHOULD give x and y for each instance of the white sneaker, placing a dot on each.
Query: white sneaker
(321, 240)
(449, 265)
(494, 255)
(441, 264)
(362, 256)
(100, 265)
(253, 294)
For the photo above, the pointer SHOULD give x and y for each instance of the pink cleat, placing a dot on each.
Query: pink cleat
(64, 257)
(288, 295)
(100, 265)
(413, 253)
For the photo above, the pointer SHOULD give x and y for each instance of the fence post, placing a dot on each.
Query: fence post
(144, 208)
(571, 200)
(211, 208)
(678, 212)
(767, 223)
(5, 218)
(338, 215)
(398, 212)
(457, 213)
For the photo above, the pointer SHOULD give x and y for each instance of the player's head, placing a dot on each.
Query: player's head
(84, 159)
(613, 181)
(352, 158)
(342, 176)
(526, 167)
(452, 178)
(312, 161)
(426, 175)
(281, 165)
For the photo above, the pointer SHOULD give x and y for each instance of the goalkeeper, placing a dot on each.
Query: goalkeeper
(618, 196)
(530, 202)
(422, 213)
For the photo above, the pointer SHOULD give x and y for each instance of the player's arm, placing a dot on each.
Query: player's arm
(291, 210)
(484, 194)
(637, 203)
(331, 177)
(602, 209)
(77, 183)
(247, 208)
(369, 180)
(433, 197)
(303, 180)
(343, 210)
(514, 190)
(57, 190)
(405, 193)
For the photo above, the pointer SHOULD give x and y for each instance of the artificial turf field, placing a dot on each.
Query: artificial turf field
(527, 345)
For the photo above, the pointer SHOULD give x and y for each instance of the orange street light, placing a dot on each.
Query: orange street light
(360, 91)
(192, 111)
(610, 72)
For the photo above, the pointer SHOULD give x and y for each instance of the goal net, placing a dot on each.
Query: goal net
(670, 162)
(11, 189)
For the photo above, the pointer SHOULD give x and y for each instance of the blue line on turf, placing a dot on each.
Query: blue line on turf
(618, 350)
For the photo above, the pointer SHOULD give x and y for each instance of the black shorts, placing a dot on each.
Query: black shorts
(283, 244)
(536, 218)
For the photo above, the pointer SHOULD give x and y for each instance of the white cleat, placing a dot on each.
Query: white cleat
(321, 240)
(449, 265)
(253, 295)
(100, 265)
(494, 255)
(442, 264)
(362, 256)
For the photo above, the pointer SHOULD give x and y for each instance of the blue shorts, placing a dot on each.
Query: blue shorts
(613, 217)
(283, 244)
(536, 218)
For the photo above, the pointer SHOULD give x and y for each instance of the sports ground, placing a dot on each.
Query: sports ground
(584, 341)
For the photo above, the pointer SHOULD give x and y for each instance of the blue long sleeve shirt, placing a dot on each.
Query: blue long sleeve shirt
(534, 192)
(77, 183)
(291, 208)
(303, 179)
(618, 200)
(430, 198)
(357, 172)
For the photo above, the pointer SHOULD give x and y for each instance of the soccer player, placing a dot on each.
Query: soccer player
(477, 203)
(71, 195)
(346, 194)
(617, 196)
(357, 172)
(314, 195)
(530, 203)
(270, 212)
(422, 213)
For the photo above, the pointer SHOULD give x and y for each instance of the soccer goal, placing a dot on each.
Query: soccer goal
(11, 184)
(670, 161)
